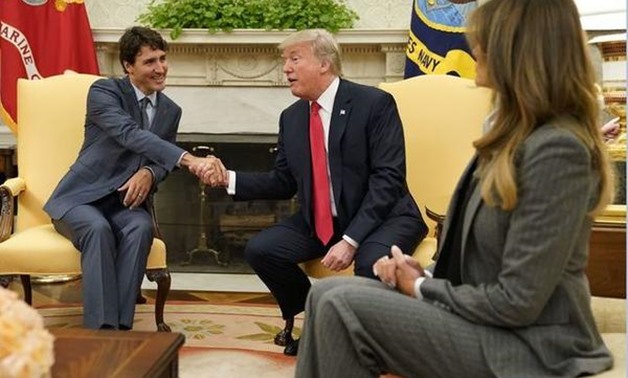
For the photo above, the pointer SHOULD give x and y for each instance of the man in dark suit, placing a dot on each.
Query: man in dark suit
(353, 194)
(128, 149)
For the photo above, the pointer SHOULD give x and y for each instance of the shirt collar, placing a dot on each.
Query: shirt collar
(326, 100)
(140, 95)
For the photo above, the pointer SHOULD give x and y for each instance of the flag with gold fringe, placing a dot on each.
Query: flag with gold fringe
(41, 38)
(436, 41)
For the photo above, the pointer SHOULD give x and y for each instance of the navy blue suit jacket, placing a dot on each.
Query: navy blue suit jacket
(366, 158)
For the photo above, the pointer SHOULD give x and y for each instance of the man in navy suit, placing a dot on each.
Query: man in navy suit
(100, 204)
(363, 172)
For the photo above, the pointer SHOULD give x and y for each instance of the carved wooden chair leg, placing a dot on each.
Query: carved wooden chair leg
(284, 337)
(28, 291)
(162, 277)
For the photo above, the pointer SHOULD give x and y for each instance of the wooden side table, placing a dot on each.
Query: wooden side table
(606, 268)
(103, 353)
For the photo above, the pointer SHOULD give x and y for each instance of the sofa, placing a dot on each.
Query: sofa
(610, 317)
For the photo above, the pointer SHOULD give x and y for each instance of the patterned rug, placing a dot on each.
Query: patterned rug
(221, 340)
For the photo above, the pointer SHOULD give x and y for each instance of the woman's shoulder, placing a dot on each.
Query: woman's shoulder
(554, 134)
(554, 141)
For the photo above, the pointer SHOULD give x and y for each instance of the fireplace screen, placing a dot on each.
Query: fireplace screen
(203, 228)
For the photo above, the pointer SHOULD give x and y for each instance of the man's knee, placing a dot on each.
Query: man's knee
(98, 228)
(255, 250)
(143, 227)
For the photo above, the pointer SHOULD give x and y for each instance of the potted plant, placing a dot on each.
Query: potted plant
(226, 15)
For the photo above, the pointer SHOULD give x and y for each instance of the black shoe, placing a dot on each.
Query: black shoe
(283, 338)
(292, 348)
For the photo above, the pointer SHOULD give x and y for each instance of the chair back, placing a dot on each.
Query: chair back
(442, 115)
(51, 117)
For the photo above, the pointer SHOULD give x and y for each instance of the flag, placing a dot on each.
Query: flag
(41, 38)
(436, 40)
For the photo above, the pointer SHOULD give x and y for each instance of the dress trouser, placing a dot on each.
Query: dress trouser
(275, 253)
(362, 328)
(114, 242)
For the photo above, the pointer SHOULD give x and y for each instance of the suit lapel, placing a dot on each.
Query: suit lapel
(301, 143)
(453, 204)
(472, 208)
(162, 113)
(339, 118)
(131, 100)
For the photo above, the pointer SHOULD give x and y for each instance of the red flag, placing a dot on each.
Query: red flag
(41, 38)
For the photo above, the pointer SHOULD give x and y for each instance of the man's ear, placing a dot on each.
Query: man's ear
(127, 66)
(325, 66)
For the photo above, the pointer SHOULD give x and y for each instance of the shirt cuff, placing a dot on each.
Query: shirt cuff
(417, 287)
(181, 158)
(151, 172)
(354, 243)
(232, 181)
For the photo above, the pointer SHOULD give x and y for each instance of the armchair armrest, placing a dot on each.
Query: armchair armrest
(16, 185)
(8, 190)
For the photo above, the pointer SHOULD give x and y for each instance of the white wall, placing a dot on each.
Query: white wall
(374, 14)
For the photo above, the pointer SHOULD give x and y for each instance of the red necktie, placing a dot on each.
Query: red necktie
(321, 202)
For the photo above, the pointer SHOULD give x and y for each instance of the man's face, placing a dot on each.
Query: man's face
(308, 76)
(149, 71)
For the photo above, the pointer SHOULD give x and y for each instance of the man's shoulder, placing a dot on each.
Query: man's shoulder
(297, 106)
(361, 90)
(110, 83)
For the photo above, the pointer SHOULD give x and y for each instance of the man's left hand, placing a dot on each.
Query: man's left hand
(339, 256)
(137, 188)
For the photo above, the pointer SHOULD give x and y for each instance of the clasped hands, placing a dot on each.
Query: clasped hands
(400, 271)
(210, 171)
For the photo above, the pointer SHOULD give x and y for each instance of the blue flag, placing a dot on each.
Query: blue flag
(436, 41)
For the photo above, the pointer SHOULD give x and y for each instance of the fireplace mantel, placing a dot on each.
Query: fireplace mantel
(250, 58)
(232, 83)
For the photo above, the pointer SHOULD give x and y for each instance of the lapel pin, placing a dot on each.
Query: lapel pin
(343, 112)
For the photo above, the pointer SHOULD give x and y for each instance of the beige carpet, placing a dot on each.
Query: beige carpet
(221, 340)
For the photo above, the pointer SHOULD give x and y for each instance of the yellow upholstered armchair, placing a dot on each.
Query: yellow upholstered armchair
(51, 115)
(442, 115)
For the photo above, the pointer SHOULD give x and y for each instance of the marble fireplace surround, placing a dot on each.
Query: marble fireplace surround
(232, 83)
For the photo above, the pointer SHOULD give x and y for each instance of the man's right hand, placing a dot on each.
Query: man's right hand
(209, 169)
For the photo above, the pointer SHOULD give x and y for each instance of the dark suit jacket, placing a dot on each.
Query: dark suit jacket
(366, 159)
(115, 146)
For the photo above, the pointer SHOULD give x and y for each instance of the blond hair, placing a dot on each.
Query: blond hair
(538, 64)
(324, 46)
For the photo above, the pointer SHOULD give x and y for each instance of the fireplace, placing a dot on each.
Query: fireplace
(205, 231)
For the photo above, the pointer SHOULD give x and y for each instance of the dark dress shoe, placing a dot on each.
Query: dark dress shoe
(283, 338)
(292, 349)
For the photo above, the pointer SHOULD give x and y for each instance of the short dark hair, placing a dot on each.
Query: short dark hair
(134, 39)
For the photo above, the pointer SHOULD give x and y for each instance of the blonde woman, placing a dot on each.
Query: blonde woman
(509, 296)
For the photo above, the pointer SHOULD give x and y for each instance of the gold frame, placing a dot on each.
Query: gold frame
(614, 216)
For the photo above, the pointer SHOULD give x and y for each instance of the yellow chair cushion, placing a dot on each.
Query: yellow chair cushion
(49, 252)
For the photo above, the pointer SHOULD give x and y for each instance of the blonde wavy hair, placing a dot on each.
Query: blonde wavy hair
(537, 63)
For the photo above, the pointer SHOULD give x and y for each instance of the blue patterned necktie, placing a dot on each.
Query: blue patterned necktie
(144, 112)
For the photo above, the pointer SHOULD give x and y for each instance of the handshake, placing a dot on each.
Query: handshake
(209, 169)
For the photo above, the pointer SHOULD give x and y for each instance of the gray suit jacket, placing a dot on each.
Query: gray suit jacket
(115, 146)
(523, 271)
